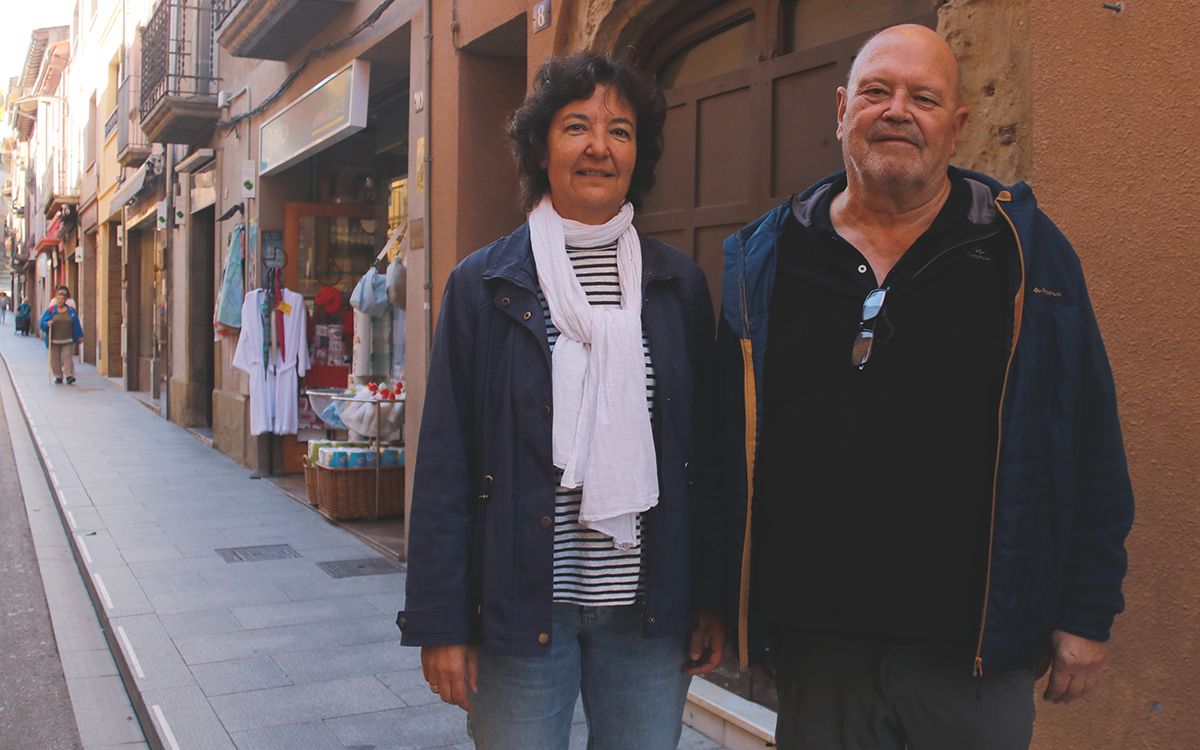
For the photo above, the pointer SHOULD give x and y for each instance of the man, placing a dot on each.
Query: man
(5, 305)
(933, 481)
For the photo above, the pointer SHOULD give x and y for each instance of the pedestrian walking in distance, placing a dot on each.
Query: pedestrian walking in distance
(24, 312)
(5, 306)
(61, 325)
(933, 489)
(560, 537)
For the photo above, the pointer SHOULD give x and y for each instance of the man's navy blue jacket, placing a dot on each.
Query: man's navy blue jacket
(480, 556)
(1062, 501)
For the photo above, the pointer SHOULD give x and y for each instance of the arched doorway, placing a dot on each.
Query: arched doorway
(750, 88)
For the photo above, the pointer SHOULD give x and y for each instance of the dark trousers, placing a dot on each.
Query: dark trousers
(840, 694)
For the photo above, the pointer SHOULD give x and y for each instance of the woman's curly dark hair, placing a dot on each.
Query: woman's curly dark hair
(562, 80)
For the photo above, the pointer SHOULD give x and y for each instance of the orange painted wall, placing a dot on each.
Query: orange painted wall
(1117, 165)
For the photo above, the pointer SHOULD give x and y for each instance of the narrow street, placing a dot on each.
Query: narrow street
(35, 707)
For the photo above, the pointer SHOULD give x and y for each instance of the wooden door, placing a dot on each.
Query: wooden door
(739, 144)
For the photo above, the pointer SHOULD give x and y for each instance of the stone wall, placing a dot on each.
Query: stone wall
(993, 42)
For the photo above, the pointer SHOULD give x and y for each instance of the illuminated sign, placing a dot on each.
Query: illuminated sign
(334, 109)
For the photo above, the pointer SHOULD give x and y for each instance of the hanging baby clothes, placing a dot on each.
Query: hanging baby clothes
(227, 316)
(275, 357)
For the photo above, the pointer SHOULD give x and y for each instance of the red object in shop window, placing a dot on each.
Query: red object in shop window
(330, 299)
(327, 376)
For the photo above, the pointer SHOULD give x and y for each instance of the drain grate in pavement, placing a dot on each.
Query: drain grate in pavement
(372, 566)
(258, 554)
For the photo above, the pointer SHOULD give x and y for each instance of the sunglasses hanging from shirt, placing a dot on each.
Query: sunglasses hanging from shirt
(864, 340)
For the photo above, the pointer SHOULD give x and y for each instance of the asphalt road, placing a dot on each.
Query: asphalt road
(35, 708)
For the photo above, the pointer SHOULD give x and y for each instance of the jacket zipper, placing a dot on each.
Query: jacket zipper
(1003, 197)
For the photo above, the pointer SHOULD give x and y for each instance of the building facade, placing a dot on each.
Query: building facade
(316, 130)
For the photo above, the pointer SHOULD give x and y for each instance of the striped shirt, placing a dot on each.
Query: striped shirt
(588, 569)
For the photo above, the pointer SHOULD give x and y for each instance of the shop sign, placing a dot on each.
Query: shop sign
(541, 16)
(249, 178)
(334, 109)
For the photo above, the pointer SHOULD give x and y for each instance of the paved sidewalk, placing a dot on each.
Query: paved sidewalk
(255, 655)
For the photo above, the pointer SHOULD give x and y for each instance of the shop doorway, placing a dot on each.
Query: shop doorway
(201, 349)
(138, 312)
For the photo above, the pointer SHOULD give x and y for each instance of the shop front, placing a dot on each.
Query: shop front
(322, 225)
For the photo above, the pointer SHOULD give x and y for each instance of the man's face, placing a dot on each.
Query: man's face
(899, 119)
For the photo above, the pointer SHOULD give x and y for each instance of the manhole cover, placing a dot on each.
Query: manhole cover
(257, 554)
(372, 566)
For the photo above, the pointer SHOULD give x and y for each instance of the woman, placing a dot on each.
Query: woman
(23, 313)
(61, 325)
(557, 533)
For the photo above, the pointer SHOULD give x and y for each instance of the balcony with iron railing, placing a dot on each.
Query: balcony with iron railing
(132, 148)
(178, 98)
(271, 29)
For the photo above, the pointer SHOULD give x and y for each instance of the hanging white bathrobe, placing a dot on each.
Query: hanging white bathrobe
(274, 389)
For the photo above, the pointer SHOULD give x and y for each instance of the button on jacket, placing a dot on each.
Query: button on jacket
(480, 558)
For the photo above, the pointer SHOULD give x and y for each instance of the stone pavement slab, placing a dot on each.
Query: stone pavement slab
(216, 654)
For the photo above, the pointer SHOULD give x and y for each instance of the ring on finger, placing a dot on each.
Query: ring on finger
(433, 687)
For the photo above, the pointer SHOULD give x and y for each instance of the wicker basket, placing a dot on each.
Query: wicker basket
(347, 494)
(311, 479)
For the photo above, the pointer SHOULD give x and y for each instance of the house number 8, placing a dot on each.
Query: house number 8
(541, 16)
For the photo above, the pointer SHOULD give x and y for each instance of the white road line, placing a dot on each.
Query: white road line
(54, 480)
(87, 556)
(166, 728)
(137, 665)
(108, 602)
(71, 519)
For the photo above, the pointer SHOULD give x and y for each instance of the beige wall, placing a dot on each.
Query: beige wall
(996, 84)
(1116, 165)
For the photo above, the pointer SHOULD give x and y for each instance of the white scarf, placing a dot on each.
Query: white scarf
(602, 437)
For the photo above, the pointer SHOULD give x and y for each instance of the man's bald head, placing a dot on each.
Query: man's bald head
(910, 39)
(900, 112)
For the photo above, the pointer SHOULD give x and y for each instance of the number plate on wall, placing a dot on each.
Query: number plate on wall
(541, 16)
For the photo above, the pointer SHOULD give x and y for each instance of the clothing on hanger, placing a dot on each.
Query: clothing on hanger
(274, 369)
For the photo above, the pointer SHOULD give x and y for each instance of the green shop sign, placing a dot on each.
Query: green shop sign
(334, 109)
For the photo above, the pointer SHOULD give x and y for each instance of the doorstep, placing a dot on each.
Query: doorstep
(386, 535)
(203, 434)
(728, 719)
(145, 399)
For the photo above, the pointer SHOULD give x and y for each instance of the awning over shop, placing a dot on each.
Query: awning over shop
(130, 188)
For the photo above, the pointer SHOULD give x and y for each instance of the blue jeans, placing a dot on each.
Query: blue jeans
(633, 687)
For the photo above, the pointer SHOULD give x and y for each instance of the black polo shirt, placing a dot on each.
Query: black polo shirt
(874, 487)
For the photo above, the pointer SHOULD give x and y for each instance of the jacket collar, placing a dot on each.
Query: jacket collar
(511, 259)
(750, 252)
(982, 210)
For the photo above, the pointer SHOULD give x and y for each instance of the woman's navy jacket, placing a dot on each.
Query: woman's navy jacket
(1062, 501)
(480, 555)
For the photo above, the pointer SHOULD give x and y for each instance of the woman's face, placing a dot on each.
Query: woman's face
(591, 150)
(61, 297)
